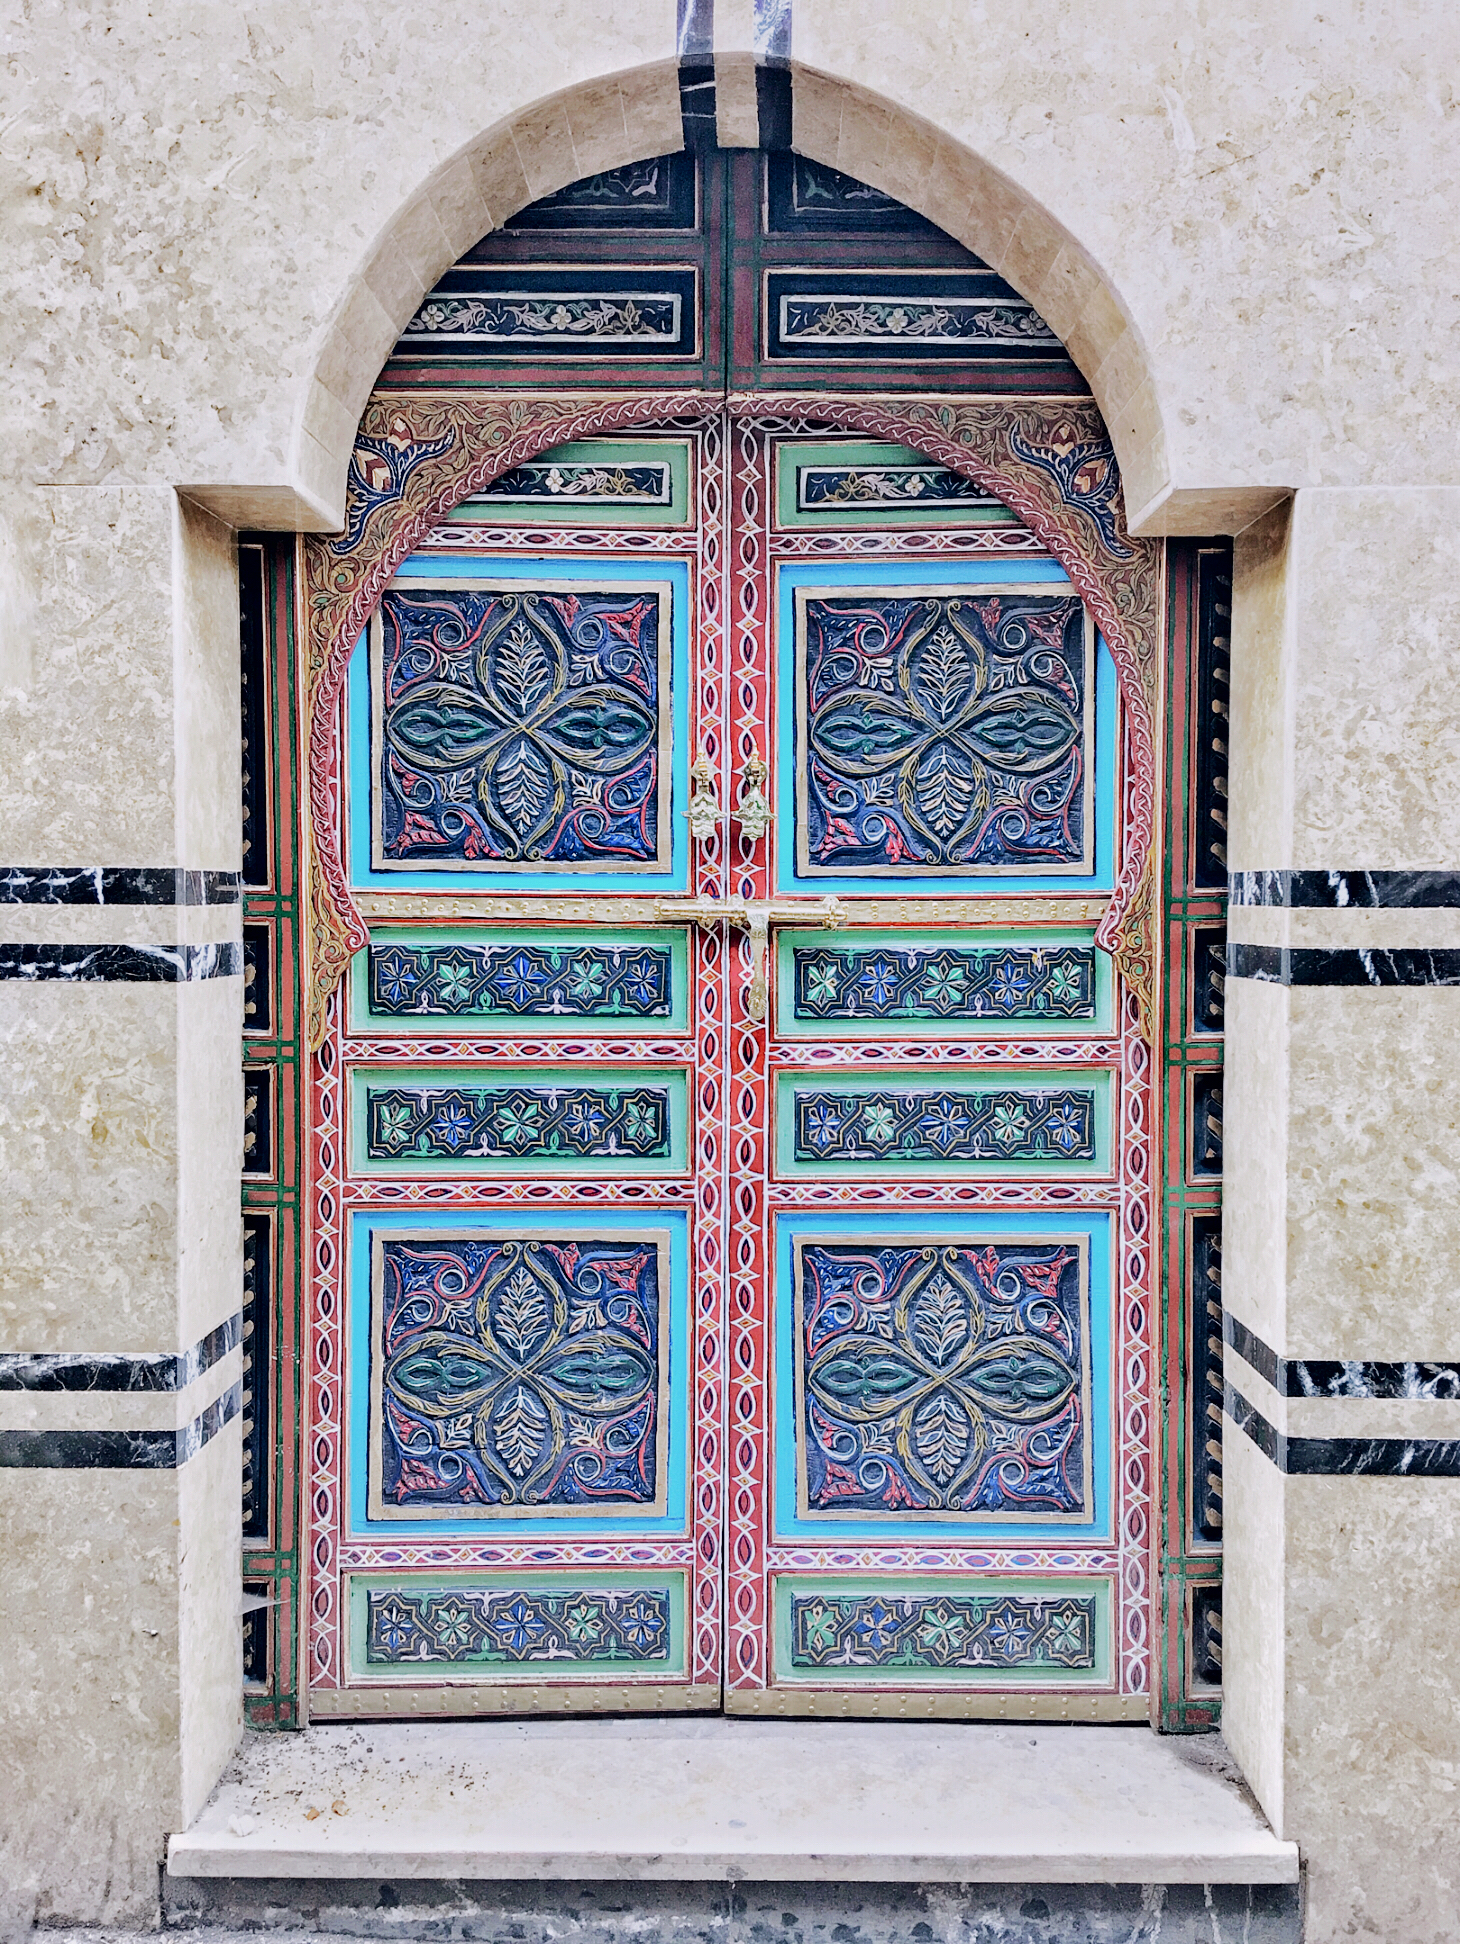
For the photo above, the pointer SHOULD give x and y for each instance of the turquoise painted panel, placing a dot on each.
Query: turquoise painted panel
(525, 1627)
(1049, 1123)
(476, 1405)
(529, 780)
(913, 763)
(902, 984)
(538, 1121)
(496, 978)
(591, 483)
(943, 1630)
(915, 1351)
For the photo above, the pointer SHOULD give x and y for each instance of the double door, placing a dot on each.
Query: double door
(722, 1160)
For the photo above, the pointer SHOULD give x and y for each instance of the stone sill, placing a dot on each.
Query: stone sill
(735, 1800)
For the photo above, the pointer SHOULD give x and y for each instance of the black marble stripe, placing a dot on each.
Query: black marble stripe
(87, 1370)
(1342, 966)
(1328, 1377)
(1344, 1457)
(101, 885)
(144, 964)
(118, 1450)
(1338, 890)
(695, 39)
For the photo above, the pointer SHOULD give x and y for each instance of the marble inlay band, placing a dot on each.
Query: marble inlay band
(1337, 890)
(97, 884)
(145, 964)
(1328, 1377)
(119, 1450)
(1344, 1457)
(92, 1370)
(1310, 965)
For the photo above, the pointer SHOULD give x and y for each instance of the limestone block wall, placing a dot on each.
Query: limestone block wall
(214, 222)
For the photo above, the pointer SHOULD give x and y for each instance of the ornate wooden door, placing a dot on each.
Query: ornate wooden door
(725, 1143)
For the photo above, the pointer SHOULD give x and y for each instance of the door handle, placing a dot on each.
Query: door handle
(755, 916)
(703, 809)
(751, 811)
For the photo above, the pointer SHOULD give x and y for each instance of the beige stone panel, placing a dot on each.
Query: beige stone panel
(1371, 1731)
(497, 171)
(1254, 1513)
(209, 1109)
(86, 738)
(1255, 1158)
(44, 924)
(90, 1709)
(210, 1637)
(1359, 928)
(1259, 778)
(1373, 1171)
(596, 124)
(1375, 598)
(652, 114)
(816, 115)
(121, 1123)
(459, 206)
(543, 138)
(206, 684)
(75, 1410)
(737, 103)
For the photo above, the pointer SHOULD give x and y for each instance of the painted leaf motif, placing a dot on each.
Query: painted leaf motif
(523, 785)
(524, 669)
(940, 1320)
(443, 1377)
(863, 1376)
(943, 791)
(865, 730)
(1021, 1378)
(942, 672)
(522, 1315)
(941, 1433)
(519, 1432)
(599, 723)
(447, 729)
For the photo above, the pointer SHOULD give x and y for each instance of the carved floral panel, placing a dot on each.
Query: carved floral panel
(512, 1374)
(941, 1378)
(515, 727)
(943, 732)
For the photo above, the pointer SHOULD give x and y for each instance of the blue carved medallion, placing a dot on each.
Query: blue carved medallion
(514, 1373)
(942, 1378)
(516, 727)
(942, 732)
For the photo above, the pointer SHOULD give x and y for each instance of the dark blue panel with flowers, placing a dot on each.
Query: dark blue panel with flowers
(518, 1373)
(942, 1378)
(942, 733)
(518, 727)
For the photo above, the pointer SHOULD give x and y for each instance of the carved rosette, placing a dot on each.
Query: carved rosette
(418, 454)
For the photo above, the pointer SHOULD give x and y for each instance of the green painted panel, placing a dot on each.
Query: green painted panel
(902, 984)
(502, 978)
(942, 1630)
(537, 1121)
(837, 483)
(930, 1123)
(518, 1626)
(592, 483)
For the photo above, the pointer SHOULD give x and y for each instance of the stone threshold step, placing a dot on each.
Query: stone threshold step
(716, 1799)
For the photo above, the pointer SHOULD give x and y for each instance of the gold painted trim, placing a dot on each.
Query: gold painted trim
(390, 907)
(854, 1704)
(454, 1700)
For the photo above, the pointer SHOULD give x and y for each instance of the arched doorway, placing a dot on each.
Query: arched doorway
(730, 1145)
